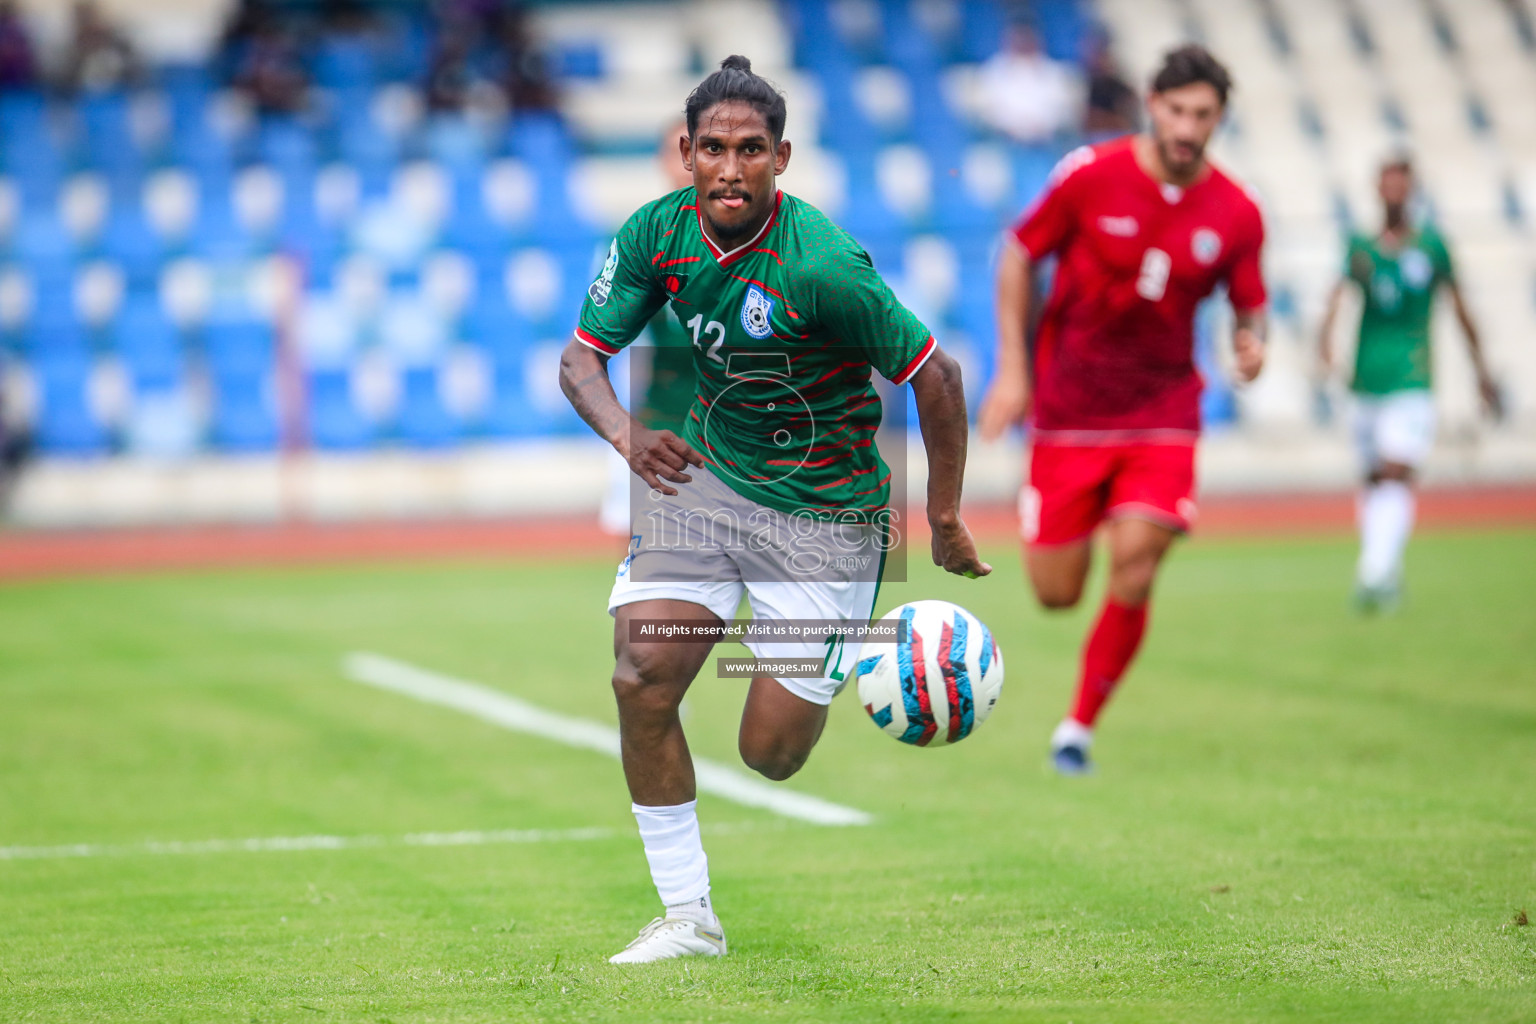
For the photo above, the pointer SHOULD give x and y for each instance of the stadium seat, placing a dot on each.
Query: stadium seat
(334, 423)
(423, 421)
(65, 423)
(149, 345)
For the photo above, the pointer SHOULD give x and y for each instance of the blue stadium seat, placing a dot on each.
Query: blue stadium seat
(508, 413)
(423, 421)
(1062, 28)
(130, 240)
(578, 59)
(372, 153)
(55, 327)
(149, 345)
(105, 137)
(284, 142)
(982, 28)
(334, 422)
(1032, 166)
(866, 215)
(954, 211)
(344, 60)
(41, 244)
(65, 423)
(492, 325)
(241, 360)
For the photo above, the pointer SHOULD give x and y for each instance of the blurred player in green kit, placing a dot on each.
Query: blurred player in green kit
(1399, 271)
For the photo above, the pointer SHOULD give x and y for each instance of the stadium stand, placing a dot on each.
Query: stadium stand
(414, 252)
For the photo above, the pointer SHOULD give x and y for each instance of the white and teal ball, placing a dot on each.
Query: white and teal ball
(939, 684)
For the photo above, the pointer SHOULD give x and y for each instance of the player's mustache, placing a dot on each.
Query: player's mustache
(725, 193)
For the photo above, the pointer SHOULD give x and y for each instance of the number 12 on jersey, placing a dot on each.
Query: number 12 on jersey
(714, 327)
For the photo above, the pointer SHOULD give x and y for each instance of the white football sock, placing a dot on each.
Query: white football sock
(1071, 733)
(676, 856)
(1386, 520)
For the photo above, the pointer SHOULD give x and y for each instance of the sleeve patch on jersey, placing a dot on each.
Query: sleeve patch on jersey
(601, 288)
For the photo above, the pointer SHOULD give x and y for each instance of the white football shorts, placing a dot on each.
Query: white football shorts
(1395, 427)
(710, 546)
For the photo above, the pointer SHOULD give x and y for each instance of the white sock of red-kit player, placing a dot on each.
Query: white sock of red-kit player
(1386, 520)
(676, 856)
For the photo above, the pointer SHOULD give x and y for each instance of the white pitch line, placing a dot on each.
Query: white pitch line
(287, 844)
(292, 844)
(520, 716)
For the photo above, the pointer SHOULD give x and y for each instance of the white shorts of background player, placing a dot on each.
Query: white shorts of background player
(1396, 427)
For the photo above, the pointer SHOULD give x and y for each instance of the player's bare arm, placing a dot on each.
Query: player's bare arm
(653, 455)
(1486, 388)
(941, 414)
(1249, 331)
(1007, 399)
(1325, 330)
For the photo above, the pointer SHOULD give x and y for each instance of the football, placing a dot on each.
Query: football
(937, 685)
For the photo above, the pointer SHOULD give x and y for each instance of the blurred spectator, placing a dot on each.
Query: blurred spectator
(526, 77)
(1029, 96)
(1112, 103)
(18, 68)
(269, 65)
(100, 58)
(451, 77)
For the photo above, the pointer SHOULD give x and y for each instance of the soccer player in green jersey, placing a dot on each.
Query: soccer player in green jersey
(1399, 270)
(775, 488)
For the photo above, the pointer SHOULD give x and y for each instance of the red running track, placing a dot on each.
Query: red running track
(40, 554)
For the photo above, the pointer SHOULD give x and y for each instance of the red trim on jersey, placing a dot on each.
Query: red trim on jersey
(596, 343)
(916, 363)
(724, 258)
(681, 259)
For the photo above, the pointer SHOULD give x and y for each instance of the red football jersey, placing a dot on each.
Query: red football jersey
(1114, 358)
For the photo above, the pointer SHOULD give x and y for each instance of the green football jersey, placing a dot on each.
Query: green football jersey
(1399, 285)
(669, 389)
(785, 328)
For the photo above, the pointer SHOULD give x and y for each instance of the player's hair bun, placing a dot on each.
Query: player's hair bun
(734, 83)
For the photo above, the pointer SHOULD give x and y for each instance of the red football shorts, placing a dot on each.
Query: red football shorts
(1074, 488)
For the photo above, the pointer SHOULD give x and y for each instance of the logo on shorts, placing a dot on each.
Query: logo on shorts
(598, 293)
(1206, 246)
(1187, 510)
(629, 556)
(756, 311)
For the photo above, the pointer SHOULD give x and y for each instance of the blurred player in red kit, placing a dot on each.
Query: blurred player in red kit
(1143, 228)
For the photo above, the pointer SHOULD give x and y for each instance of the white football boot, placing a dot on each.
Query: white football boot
(668, 937)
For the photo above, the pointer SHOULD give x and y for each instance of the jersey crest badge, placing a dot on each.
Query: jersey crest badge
(1205, 244)
(756, 313)
(598, 293)
(1415, 268)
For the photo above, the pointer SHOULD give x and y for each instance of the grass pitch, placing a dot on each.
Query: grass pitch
(1299, 815)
